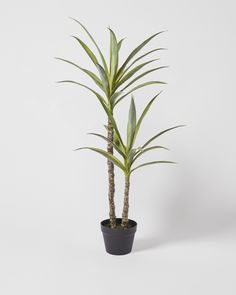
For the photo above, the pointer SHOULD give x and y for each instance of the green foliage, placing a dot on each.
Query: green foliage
(114, 51)
(111, 80)
(105, 80)
(129, 152)
(123, 78)
(131, 124)
(116, 82)
(151, 163)
(115, 143)
(135, 51)
(159, 134)
(138, 87)
(94, 42)
(107, 155)
(87, 50)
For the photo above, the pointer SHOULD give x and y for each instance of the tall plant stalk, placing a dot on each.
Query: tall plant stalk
(125, 212)
(111, 176)
(115, 82)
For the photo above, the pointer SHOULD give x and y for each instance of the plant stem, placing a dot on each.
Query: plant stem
(111, 176)
(125, 212)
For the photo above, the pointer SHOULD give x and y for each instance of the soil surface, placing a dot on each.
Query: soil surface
(118, 226)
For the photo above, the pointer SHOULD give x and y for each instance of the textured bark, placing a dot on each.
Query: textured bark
(125, 212)
(111, 176)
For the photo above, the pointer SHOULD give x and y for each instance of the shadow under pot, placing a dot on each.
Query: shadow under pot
(118, 241)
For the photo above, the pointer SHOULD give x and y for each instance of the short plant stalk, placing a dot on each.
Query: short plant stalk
(111, 177)
(125, 212)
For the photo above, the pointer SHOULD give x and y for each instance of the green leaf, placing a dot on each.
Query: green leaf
(116, 147)
(114, 97)
(94, 42)
(127, 69)
(135, 51)
(151, 163)
(104, 78)
(87, 50)
(131, 155)
(120, 43)
(89, 73)
(104, 105)
(142, 75)
(159, 134)
(131, 124)
(113, 55)
(107, 155)
(132, 72)
(101, 99)
(143, 114)
(116, 140)
(142, 151)
(147, 53)
(138, 87)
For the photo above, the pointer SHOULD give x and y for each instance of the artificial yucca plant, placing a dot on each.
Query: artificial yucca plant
(127, 150)
(116, 81)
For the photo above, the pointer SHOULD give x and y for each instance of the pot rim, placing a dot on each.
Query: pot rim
(130, 230)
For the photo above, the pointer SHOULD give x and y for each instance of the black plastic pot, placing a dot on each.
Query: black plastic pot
(118, 241)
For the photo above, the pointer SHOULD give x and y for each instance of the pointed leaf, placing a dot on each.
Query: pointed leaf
(138, 87)
(104, 78)
(135, 51)
(132, 72)
(114, 97)
(143, 114)
(120, 43)
(87, 50)
(142, 75)
(159, 134)
(131, 155)
(116, 147)
(146, 54)
(89, 73)
(142, 151)
(101, 99)
(131, 124)
(113, 55)
(151, 163)
(107, 155)
(116, 140)
(104, 105)
(95, 43)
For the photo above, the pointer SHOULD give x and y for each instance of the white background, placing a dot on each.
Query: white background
(52, 199)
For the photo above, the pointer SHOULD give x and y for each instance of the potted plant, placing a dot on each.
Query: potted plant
(116, 83)
(119, 240)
